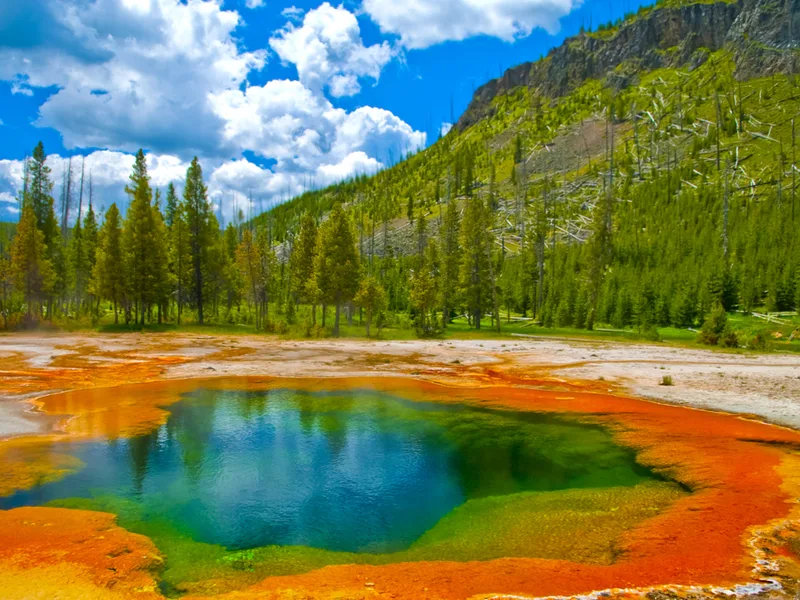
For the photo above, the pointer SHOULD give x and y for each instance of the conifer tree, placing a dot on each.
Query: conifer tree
(108, 275)
(202, 228)
(450, 261)
(139, 242)
(39, 190)
(90, 237)
(6, 286)
(337, 263)
(248, 261)
(39, 194)
(476, 285)
(267, 271)
(234, 282)
(424, 292)
(78, 264)
(180, 252)
(173, 205)
(31, 270)
(372, 298)
(301, 262)
(160, 257)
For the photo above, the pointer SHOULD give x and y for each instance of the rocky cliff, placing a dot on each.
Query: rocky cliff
(763, 34)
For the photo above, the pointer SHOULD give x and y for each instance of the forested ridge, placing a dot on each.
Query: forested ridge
(644, 198)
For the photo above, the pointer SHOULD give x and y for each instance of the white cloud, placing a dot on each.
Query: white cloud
(109, 172)
(445, 129)
(169, 76)
(286, 121)
(293, 13)
(230, 182)
(355, 163)
(423, 23)
(253, 4)
(7, 198)
(132, 73)
(19, 86)
(328, 51)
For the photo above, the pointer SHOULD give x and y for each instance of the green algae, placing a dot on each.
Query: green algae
(526, 484)
(582, 525)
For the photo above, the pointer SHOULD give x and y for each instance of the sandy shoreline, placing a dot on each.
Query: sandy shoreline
(31, 365)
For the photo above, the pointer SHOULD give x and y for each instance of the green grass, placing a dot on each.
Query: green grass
(401, 328)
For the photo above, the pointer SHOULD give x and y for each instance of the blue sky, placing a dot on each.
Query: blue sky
(273, 97)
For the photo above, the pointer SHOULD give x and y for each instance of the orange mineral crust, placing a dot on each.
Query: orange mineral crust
(738, 470)
(57, 553)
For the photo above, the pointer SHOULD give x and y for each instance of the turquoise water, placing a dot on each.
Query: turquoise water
(356, 471)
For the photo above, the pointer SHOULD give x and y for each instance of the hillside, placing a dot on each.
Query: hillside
(636, 175)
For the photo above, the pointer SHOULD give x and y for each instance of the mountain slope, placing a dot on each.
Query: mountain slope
(671, 134)
(672, 34)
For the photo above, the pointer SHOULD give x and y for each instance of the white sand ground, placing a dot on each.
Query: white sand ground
(765, 386)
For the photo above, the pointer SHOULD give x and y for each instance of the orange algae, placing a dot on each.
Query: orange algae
(733, 465)
(57, 553)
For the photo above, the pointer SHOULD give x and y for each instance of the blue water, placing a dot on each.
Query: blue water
(354, 471)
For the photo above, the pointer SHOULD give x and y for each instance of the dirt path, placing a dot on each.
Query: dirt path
(765, 386)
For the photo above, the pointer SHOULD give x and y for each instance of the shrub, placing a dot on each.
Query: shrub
(713, 327)
(729, 338)
(650, 334)
(666, 381)
(759, 341)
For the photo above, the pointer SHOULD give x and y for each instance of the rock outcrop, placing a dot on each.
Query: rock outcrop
(763, 34)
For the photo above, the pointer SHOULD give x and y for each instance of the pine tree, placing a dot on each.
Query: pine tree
(476, 285)
(424, 292)
(372, 298)
(450, 253)
(6, 286)
(202, 229)
(267, 271)
(31, 270)
(248, 261)
(108, 275)
(90, 236)
(78, 264)
(301, 262)
(173, 205)
(180, 252)
(337, 263)
(7, 295)
(38, 193)
(138, 241)
(233, 280)
(160, 258)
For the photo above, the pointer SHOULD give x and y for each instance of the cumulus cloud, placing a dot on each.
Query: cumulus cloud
(445, 129)
(19, 86)
(7, 198)
(355, 162)
(130, 73)
(302, 130)
(170, 76)
(423, 23)
(109, 172)
(328, 51)
(293, 13)
(253, 4)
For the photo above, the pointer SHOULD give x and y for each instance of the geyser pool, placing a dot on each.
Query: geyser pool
(355, 471)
